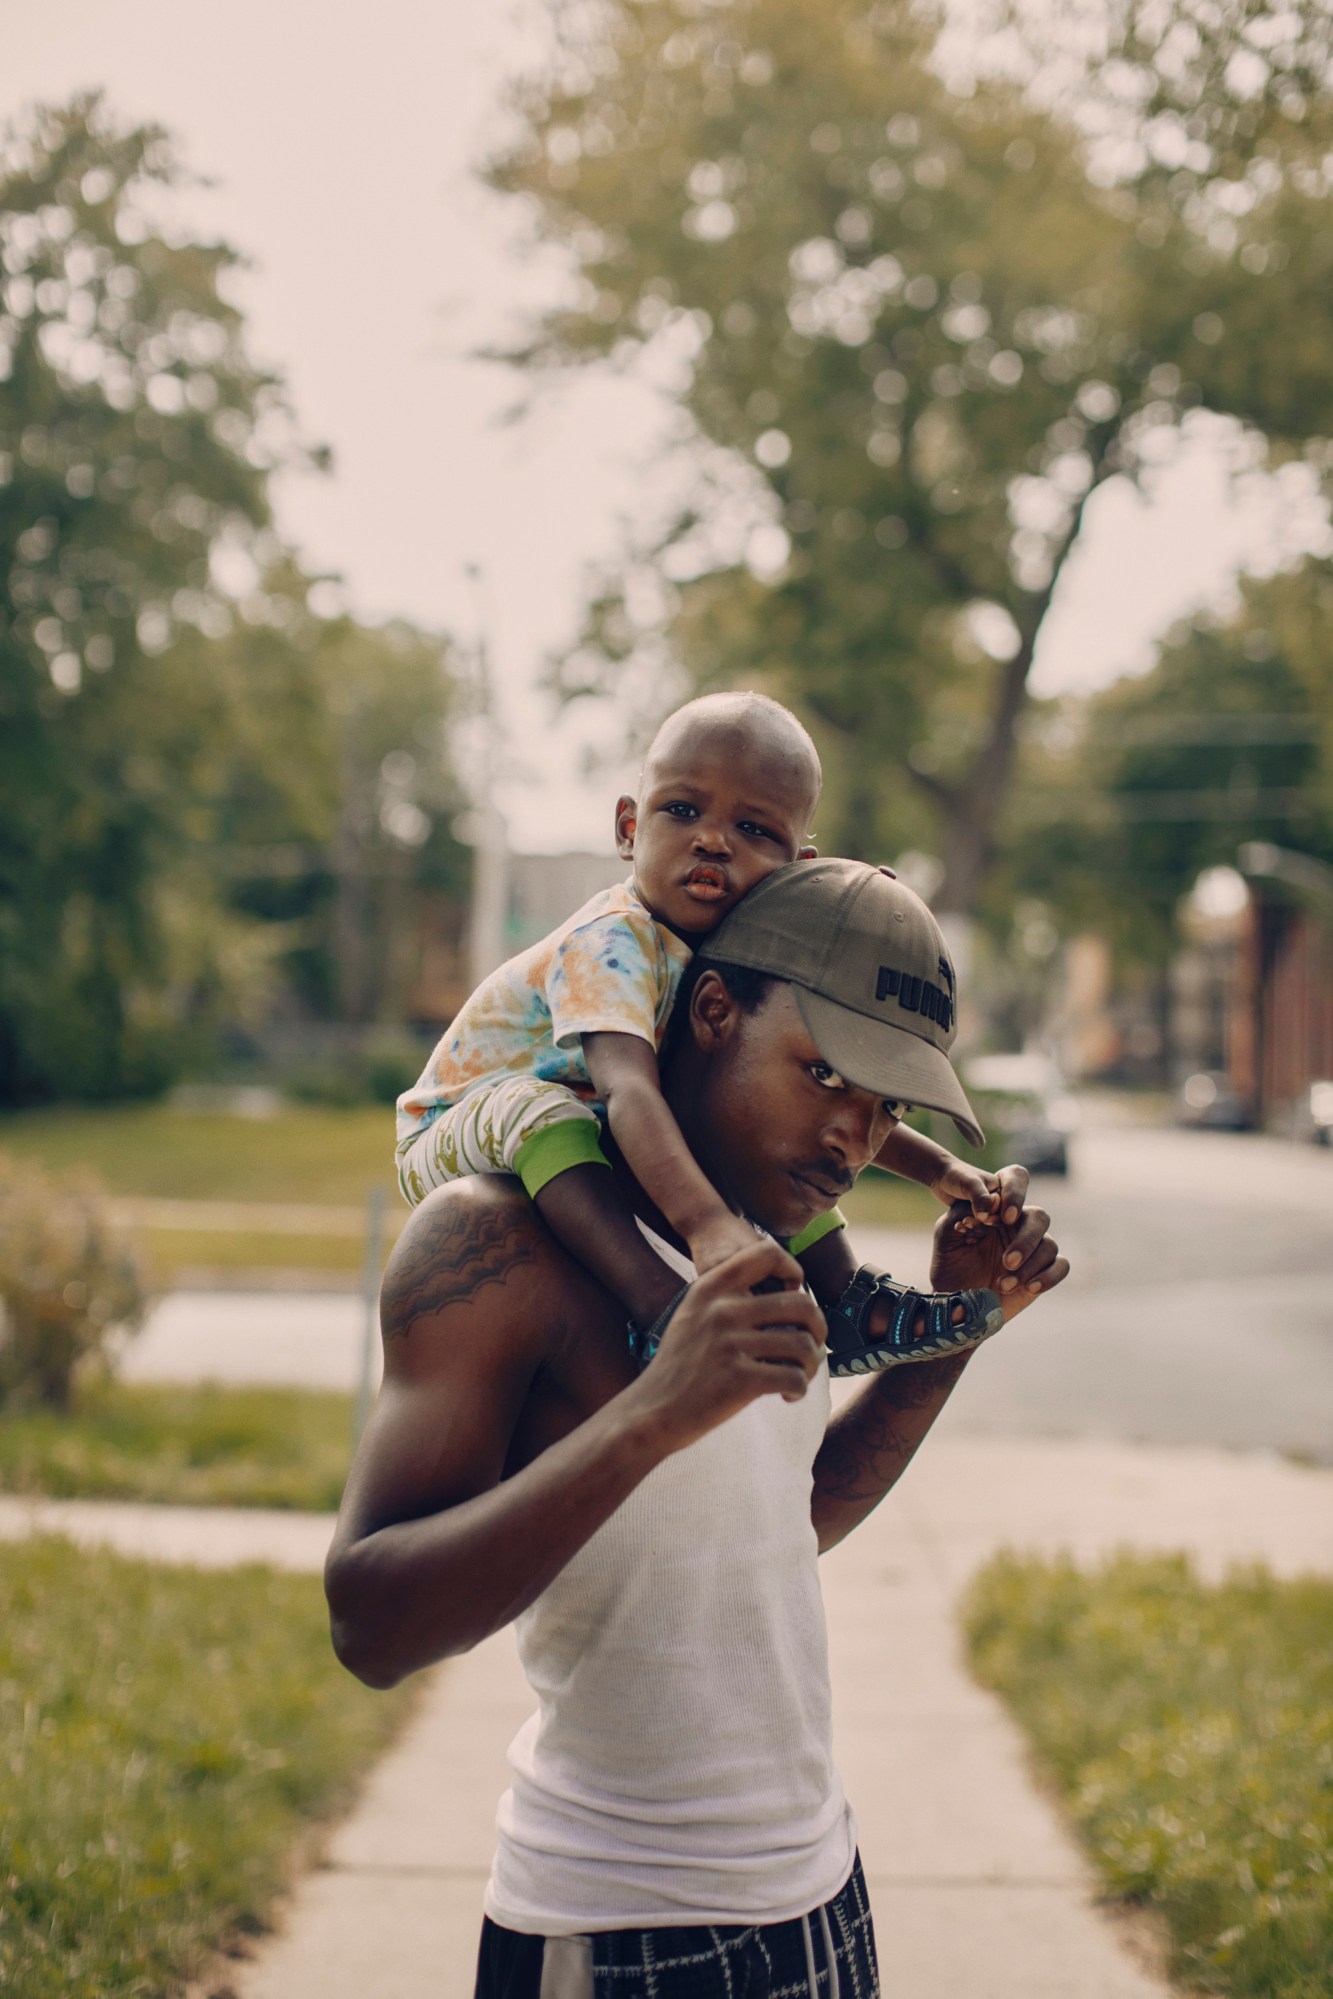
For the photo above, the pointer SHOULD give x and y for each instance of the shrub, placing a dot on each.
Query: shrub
(69, 1278)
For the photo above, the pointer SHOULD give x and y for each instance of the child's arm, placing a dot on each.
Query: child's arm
(914, 1157)
(830, 1263)
(623, 1068)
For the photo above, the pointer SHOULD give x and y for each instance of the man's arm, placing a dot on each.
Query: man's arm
(872, 1439)
(460, 1508)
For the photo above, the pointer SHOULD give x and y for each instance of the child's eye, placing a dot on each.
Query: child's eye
(680, 808)
(754, 831)
(829, 1078)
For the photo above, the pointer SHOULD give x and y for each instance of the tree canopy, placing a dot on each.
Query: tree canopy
(174, 710)
(1228, 739)
(916, 318)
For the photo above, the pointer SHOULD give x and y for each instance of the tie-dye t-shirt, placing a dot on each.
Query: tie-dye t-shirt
(609, 970)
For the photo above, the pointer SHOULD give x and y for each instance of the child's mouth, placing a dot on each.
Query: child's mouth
(706, 884)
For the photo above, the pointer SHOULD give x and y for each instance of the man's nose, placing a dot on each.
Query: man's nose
(856, 1128)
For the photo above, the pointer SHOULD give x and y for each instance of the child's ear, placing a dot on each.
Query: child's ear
(627, 815)
(808, 853)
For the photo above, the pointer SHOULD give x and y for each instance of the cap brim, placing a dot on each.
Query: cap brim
(887, 1060)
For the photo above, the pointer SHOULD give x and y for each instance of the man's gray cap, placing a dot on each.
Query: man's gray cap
(871, 972)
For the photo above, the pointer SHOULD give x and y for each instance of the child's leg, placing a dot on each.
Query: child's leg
(548, 1137)
(825, 1254)
(585, 1208)
(555, 1150)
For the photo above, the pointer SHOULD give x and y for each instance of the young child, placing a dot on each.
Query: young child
(568, 1032)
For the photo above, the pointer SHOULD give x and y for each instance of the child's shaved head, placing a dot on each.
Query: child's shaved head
(745, 726)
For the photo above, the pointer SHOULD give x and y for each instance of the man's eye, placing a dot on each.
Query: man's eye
(897, 1111)
(830, 1078)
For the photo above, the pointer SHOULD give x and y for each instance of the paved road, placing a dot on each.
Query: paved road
(1200, 1305)
(1200, 1309)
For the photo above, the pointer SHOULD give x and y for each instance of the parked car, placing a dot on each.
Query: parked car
(1025, 1108)
(1209, 1101)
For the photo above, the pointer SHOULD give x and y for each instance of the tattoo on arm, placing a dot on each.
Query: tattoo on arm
(922, 1381)
(867, 1447)
(449, 1262)
(858, 1463)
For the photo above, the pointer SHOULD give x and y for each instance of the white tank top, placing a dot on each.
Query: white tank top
(679, 1768)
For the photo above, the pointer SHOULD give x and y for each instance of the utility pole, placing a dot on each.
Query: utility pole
(487, 942)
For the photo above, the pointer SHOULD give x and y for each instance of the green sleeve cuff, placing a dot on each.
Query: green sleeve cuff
(574, 1141)
(815, 1231)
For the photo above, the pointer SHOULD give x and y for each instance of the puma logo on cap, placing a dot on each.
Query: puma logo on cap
(916, 995)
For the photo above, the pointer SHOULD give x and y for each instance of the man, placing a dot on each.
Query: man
(675, 1824)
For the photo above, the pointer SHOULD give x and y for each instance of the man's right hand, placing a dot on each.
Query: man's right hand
(729, 1342)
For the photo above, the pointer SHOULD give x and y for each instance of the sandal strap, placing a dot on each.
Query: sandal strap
(645, 1338)
(853, 1350)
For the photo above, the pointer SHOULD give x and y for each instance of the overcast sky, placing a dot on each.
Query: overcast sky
(341, 143)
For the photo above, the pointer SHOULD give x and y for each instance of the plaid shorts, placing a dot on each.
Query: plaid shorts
(788, 1960)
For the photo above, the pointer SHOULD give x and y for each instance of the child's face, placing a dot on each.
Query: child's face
(720, 809)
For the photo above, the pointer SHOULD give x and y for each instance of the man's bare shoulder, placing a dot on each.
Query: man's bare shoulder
(464, 1247)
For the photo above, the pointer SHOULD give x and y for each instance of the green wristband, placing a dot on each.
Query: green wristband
(815, 1231)
(574, 1141)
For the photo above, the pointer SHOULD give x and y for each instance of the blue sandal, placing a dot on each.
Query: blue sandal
(853, 1350)
(644, 1339)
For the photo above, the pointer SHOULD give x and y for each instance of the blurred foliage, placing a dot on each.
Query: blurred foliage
(1189, 1730)
(914, 314)
(210, 796)
(1229, 738)
(69, 1279)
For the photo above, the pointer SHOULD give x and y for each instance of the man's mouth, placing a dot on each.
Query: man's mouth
(825, 1187)
(707, 884)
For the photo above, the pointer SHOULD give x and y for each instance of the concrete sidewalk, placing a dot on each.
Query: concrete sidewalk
(979, 1893)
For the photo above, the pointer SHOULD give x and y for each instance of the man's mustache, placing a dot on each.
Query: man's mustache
(836, 1178)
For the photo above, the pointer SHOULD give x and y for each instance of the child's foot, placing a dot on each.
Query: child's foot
(877, 1323)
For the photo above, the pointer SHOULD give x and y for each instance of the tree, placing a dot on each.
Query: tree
(196, 767)
(917, 323)
(1228, 739)
(322, 797)
(373, 824)
(135, 441)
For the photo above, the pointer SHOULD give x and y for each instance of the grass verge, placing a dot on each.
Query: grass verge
(184, 1445)
(303, 1152)
(1189, 1731)
(226, 1255)
(168, 1735)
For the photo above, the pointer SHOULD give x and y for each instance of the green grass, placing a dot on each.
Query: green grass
(187, 1446)
(1189, 1731)
(171, 1254)
(304, 1152)
(882, 1201)
(167, 1733)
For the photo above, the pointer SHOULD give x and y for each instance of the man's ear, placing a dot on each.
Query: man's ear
(627, 816)
(807, 853)
(713, 1012)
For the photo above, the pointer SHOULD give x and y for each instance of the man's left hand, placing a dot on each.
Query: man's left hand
(1016, 1257)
